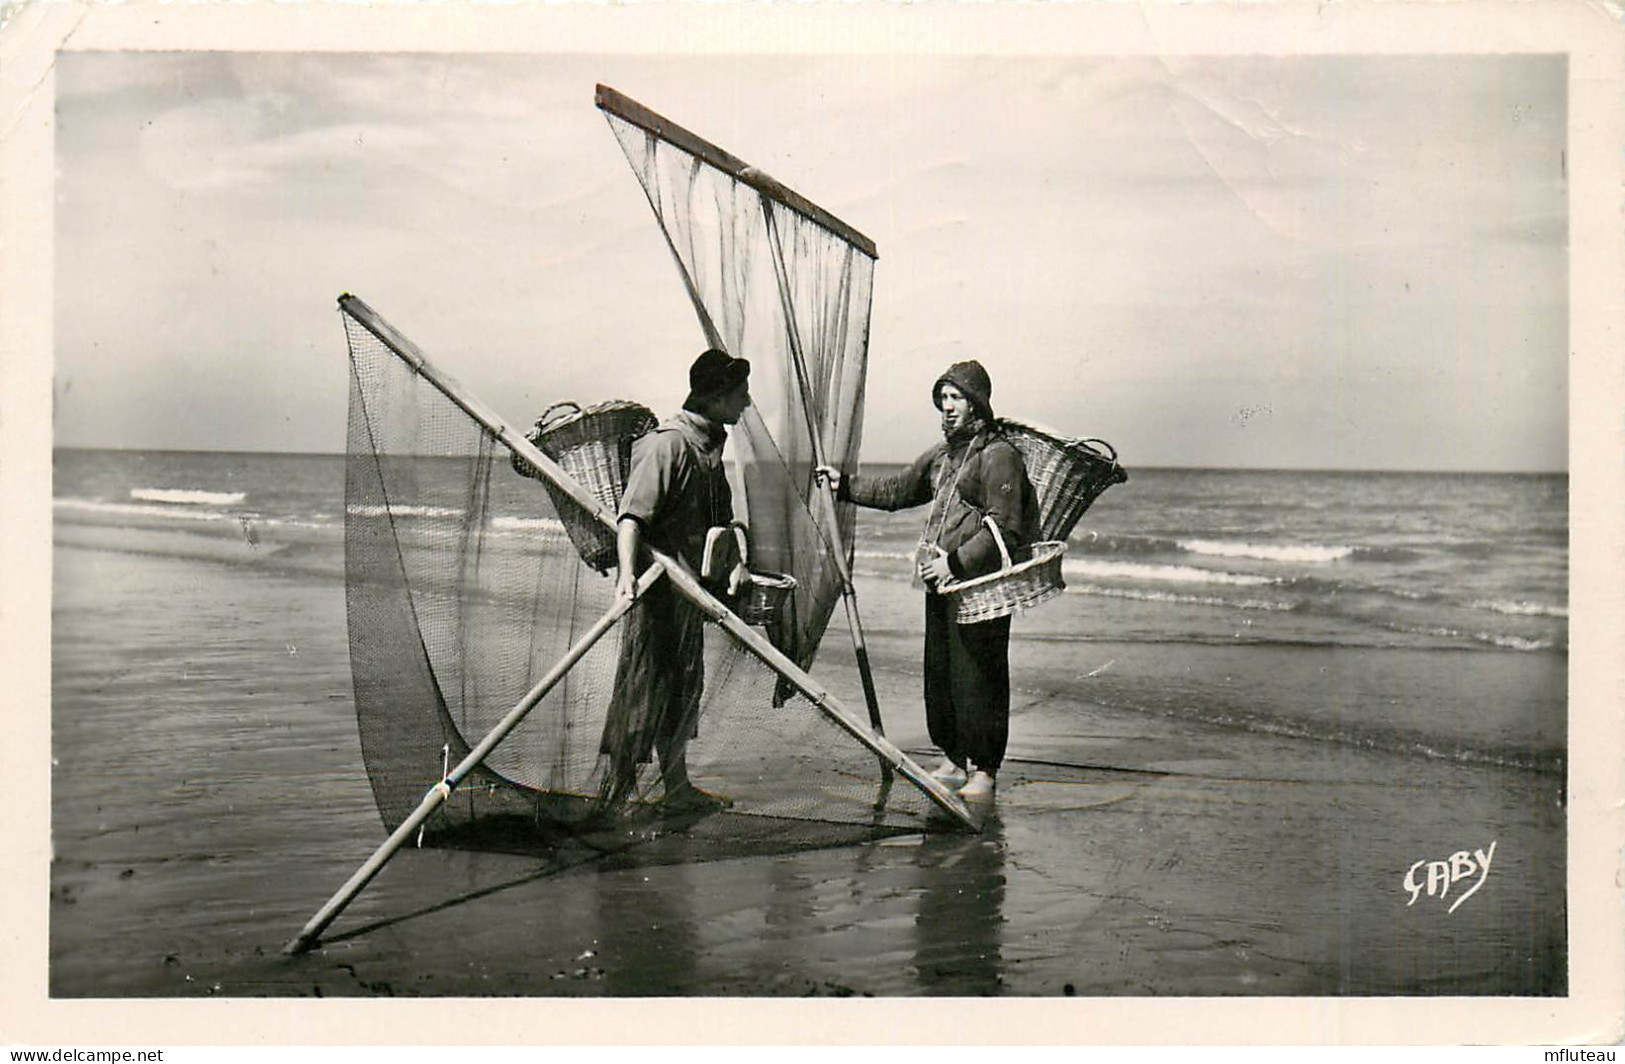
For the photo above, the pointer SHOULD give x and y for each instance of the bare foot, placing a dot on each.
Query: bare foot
(687, 798)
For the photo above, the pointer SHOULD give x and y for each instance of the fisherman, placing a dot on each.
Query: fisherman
(675, 494)
(974, 475)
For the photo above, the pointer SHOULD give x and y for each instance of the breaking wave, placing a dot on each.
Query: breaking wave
(1285, 552)
(1503, 640)
(447, 512)
(1094, 543)
(120, 509)
(1090, 568)
(1178, 599)
(1109, 543)
(1184, 574)
(528, 524)
(1521, 608)
(188, 496)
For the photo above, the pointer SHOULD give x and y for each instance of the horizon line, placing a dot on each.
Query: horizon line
(1160, 467)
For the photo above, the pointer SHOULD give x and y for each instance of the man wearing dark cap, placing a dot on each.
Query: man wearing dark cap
(975, 475)
(675, 493)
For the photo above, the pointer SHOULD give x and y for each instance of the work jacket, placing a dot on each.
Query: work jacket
(966, 482)
(677, 489)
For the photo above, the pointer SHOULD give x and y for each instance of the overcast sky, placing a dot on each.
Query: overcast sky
(1353, 262)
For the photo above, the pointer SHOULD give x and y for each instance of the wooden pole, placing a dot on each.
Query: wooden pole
(629, 110)
(849, 593)
(441, 792)
(624, 107)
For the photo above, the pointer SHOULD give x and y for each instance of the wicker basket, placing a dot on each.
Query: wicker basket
(594, 446)
(1067, 474)
(1015, 586)
(764, 597)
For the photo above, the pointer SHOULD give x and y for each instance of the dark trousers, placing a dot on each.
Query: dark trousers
(655, 706)
(967, 686)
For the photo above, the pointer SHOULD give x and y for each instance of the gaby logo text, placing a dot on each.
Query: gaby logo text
(1441, 876)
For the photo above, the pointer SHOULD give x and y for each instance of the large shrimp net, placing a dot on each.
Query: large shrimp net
(463, 587)
(777, 285)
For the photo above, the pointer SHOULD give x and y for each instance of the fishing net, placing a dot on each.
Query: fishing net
(463, 587)
(778, 281)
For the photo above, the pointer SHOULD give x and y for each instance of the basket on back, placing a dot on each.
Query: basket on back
(1068, 476)
(594, 446)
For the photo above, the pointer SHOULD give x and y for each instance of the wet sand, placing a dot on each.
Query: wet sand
(209, 795)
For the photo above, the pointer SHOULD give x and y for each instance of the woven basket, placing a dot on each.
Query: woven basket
(764, 596)
(1015, 586)
(1068, 475)
(761, 601)
(594, 446)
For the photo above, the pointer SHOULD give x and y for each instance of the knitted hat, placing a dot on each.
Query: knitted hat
(970, 378)
(714, 373)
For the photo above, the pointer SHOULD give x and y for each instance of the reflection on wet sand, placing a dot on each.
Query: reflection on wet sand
(959, 922)
(648, 939)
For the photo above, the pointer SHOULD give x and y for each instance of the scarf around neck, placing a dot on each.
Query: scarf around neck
(706, 434)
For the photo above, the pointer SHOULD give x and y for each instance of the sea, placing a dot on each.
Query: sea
(1418, 613)
(1262, 698)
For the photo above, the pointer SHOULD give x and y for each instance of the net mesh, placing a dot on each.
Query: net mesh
(774, 286)
(463, 590)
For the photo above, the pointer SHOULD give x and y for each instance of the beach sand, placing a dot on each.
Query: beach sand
(209, 795)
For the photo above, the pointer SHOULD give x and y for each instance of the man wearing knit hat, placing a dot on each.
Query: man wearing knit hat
(974, 476)
(675, 493)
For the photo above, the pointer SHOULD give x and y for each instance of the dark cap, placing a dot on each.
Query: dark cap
(715, 373)
(970, 378)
